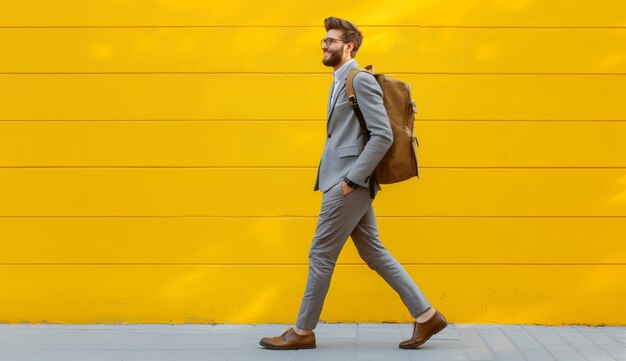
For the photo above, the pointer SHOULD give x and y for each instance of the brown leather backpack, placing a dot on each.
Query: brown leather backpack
(400, 162)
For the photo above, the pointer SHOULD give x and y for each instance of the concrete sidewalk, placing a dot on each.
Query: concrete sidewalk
(362, 341)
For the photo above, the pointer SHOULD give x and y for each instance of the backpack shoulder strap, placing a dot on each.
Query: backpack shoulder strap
(351, 93)
(355, 106)
(350, 86)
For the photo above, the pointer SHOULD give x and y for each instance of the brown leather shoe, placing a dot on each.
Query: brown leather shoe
(289, 340)
(423, 331)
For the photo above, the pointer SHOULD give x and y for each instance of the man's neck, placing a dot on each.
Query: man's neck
(338, 66)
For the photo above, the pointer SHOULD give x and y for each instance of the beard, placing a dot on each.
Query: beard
(333, 59)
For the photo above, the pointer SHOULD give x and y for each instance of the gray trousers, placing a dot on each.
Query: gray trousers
(341, 217)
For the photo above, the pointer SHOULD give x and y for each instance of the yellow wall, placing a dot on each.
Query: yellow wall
(157, 160)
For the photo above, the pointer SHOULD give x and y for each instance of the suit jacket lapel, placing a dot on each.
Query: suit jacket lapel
(330, 100)
(340, 87)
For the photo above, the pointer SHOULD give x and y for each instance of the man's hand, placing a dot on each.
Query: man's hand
(345, 188)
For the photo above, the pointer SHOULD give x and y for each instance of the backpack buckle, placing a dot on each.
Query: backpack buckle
(352, 100)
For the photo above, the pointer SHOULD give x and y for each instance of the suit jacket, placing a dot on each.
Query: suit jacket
(346, 152)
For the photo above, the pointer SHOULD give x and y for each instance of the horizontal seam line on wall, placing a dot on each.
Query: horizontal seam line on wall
(306, 264)
(169, 120)
(306, 120)
(293, 217)
(313, 27)
(300, 73)
(287, 167)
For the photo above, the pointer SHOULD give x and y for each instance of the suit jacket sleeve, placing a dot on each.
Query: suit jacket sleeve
(370, 99)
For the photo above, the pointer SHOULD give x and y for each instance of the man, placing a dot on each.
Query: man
(343, 176)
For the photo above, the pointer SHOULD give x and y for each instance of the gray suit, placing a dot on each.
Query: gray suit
(346, 154)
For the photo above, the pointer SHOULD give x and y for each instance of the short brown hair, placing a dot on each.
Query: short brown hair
(350, 32)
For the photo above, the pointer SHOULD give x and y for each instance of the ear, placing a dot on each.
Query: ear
(349, 47)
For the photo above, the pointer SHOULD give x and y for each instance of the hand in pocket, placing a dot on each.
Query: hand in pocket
(345, 188)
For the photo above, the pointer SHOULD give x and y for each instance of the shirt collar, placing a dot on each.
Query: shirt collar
(337, 74)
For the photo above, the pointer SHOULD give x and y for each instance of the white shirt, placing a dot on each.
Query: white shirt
(335, 79)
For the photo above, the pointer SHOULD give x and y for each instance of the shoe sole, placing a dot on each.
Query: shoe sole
(418, 344)
(273, 347)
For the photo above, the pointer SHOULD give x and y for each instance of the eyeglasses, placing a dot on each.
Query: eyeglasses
(329, 41)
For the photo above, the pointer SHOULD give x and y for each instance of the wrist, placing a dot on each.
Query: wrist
(350, 183)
